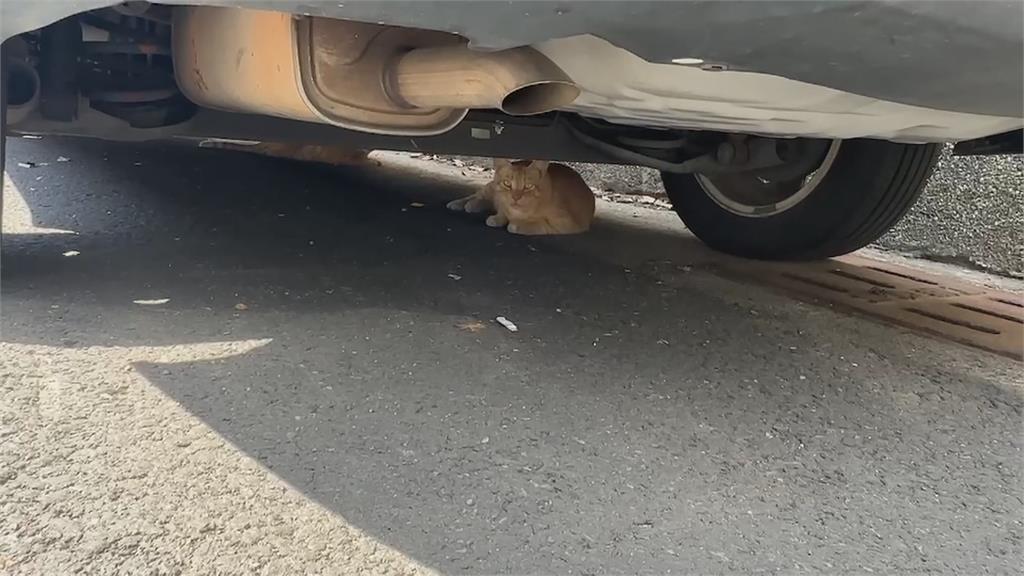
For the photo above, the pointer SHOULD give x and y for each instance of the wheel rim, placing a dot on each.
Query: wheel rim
(751, 196)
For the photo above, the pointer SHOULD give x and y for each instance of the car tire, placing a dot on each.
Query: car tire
(859, 191)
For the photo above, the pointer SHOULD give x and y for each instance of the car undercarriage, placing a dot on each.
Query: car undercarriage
(752, 128)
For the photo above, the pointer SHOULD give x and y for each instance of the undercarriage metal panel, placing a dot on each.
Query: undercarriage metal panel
(958, 55)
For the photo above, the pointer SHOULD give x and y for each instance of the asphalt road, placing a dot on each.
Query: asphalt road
(216, 363)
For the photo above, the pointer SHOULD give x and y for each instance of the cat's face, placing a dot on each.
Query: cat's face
(521, 181)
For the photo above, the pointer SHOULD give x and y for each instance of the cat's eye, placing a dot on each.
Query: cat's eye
(530, 186)
(506, 183)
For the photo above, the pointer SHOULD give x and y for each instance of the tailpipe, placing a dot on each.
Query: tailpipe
(520, 81)
(360, 76)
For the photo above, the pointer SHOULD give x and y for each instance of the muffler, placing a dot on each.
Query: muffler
(367, 77)
(520, 81)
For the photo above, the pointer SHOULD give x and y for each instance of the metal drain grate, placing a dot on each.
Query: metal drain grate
(945, 307)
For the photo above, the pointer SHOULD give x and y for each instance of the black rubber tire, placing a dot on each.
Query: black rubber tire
(870, 185)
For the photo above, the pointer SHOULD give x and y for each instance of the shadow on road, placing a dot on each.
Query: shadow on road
(647, 415)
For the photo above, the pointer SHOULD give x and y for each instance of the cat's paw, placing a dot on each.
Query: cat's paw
(495, 221)
(513, 228)
(475, 205)
(456, 205)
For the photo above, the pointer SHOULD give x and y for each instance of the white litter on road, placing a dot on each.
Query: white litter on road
(153, 302)
(507, 324)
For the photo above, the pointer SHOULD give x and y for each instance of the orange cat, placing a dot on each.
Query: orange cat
(333, 155)
(533, 197)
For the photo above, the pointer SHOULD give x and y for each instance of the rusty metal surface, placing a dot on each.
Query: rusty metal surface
(942, 306)
(232, 59)
(343, 65)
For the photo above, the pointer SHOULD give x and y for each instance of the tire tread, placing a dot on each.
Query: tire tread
(878, 183)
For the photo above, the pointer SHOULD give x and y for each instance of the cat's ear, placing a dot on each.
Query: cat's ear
(541, 165)
(501, 163)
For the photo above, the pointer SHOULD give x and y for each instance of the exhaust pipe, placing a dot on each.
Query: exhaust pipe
(520, 81)
(22, 91)
(368, 77)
